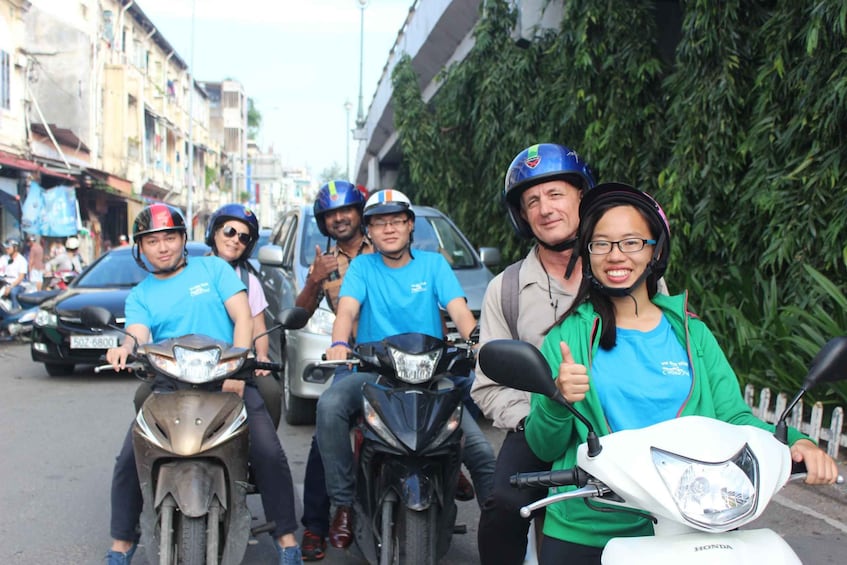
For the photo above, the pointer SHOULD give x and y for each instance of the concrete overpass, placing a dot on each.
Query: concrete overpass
(436, 33)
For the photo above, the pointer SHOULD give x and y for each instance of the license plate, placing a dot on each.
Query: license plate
(93, 341)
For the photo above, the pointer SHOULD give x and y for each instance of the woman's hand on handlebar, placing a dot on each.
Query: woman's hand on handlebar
(262, 372)
(821, 469)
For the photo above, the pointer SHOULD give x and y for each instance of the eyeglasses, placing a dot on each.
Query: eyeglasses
(243, 237)
(382, 224)
(631, 245)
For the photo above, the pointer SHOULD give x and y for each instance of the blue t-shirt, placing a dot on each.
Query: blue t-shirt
(644, 379)
(192, 301)
(405, 299)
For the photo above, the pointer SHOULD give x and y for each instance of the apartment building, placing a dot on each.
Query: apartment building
(93, 96)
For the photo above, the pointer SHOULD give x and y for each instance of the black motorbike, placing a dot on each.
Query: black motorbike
(408, 448)
(191, 446)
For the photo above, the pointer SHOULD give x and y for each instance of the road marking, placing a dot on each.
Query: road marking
(788, 503)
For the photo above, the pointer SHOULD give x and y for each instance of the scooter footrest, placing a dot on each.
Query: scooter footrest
(263, 529)
(460, 529)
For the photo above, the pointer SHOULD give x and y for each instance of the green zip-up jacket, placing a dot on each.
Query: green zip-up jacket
(554, 434)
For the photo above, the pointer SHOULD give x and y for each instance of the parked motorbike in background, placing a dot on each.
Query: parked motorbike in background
(17, 322)
(698, 479)
(191, 446)
(58, 280)
(408, 447)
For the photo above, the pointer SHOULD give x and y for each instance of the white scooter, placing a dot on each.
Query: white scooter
(698, 479)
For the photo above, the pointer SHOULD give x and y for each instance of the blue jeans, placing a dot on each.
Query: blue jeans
(338, 408)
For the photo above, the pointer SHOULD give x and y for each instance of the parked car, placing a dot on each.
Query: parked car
(264, 237)
(58, 338)
(284, 264)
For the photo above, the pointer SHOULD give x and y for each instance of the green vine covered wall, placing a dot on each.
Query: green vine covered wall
(739, 131)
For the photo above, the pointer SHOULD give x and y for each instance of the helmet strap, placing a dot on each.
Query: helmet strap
(561, 246)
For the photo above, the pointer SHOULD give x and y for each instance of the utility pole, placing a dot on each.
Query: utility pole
(347, 107)
(190, 206)
(360, 117)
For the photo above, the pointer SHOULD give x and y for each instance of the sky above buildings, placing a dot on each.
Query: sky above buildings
(297, 59)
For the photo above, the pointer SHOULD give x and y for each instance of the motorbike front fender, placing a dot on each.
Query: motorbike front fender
(192, 484)
(417, 491)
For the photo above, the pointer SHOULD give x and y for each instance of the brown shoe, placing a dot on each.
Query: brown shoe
(341, 530)
(464, 489)
(313, 546)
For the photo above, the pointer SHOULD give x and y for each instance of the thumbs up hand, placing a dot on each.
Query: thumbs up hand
(572, 381)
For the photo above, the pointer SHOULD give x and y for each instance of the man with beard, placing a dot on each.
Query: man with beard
(338, 211)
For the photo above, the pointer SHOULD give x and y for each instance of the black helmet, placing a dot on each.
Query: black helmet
(233, 212)
(541, 163)
(157, 217)
(333, 195)
(611, 194)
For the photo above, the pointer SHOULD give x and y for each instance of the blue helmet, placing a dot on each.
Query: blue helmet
(234, 212)
(333, 195)
(541, 163)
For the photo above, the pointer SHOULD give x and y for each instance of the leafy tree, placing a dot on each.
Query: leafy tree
(333, 172)
(254, 120)
(738, 130)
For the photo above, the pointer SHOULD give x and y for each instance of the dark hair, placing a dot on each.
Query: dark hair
(588, 290)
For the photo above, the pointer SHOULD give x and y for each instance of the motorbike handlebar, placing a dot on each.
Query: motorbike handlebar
(269, 366)
(562, 477)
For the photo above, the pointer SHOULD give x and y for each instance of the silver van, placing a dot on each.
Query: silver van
(283, 265)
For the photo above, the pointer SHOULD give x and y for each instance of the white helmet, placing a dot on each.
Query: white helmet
(72, 243)
(388, 201)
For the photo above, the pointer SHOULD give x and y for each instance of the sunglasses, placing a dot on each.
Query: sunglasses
(230, 232)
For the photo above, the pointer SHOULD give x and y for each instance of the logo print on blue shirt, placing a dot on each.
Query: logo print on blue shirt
(202, 288)
(675, 368)
(418, 287)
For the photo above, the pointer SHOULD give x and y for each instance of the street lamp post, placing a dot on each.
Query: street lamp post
(190, 210)
(360, 117)
(347, 107)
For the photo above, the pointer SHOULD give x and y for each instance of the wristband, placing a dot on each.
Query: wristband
(344, 343)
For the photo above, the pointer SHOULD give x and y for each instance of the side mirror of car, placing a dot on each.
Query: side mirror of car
(96, 317)
(490, 256)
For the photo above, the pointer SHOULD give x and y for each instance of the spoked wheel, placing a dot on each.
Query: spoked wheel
(389, 553)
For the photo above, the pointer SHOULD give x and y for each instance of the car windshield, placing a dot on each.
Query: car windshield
(432, 233)
(119, 269)
(113, 269)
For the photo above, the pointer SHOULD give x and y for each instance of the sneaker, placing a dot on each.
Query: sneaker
(289, 555)
(117, 558)
(313, 546)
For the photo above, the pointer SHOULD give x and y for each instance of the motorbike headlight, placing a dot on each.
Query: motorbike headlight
(195, 366)
(46, 319)
(321, 322)
(712, 495)
(414, 368)
(377, 425)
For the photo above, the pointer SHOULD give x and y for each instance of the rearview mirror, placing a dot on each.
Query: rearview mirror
(517, 364)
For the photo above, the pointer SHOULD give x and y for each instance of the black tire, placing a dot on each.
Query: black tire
(389, 550)
(419, 545)
(59, 369)
(298, 411)
(190, 539)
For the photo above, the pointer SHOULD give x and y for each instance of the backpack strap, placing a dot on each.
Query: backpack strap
(509, 297)
(245, 276)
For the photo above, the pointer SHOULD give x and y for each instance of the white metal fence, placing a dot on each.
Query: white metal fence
(831, 435)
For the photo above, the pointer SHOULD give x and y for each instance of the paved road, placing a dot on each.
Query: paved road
(60, 435)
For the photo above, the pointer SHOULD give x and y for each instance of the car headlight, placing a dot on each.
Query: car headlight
(712, 495)
(46, 319)
(321, 322)
(195, 366)
(414, 368)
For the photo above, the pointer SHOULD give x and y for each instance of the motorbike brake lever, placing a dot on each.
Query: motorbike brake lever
(337, 362)
(129, 367)
(593, 490)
